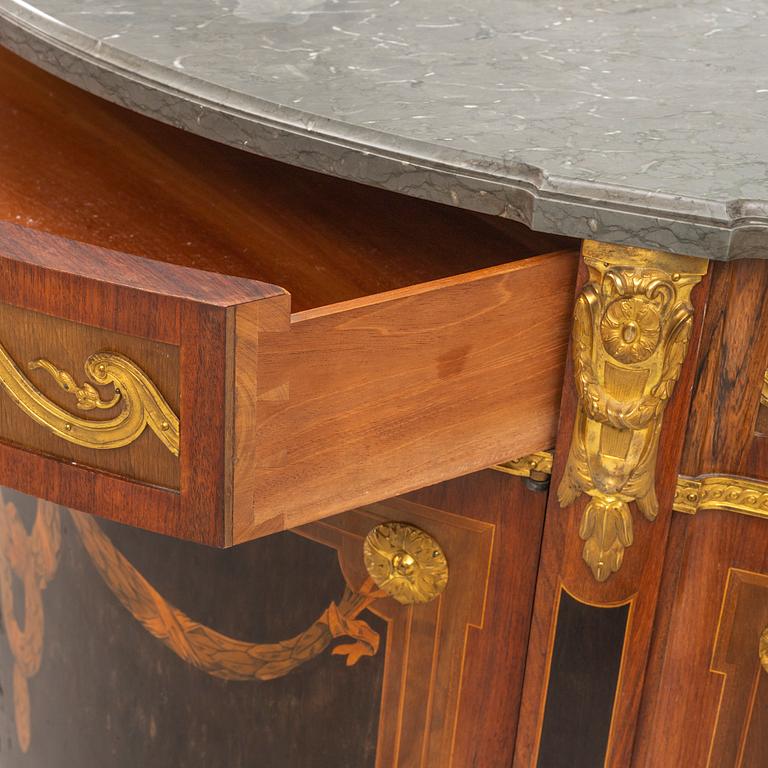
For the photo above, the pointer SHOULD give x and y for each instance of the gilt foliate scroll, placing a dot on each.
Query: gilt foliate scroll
(631, 327)
(139, 402)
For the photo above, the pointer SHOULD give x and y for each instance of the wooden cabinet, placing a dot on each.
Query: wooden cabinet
(129, 655)
(218, 348)
(225, 350)
(326, 359)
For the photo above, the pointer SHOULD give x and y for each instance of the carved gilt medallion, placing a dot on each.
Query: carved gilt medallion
(405, 562)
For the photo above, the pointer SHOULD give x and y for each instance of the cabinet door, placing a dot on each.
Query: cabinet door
(706, 700)
(123, 648)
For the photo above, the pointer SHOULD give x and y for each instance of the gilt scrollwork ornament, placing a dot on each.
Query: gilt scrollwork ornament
(743, 495)
(139, 402)
(631, 327)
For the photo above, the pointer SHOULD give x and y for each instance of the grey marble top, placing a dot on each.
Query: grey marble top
(643, 123)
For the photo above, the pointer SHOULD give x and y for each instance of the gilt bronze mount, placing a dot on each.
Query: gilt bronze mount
(405, 562)
(139, 402)
(631, 327)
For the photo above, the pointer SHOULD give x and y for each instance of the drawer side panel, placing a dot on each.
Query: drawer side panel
(369, 399)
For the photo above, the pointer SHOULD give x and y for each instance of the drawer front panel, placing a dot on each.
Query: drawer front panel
(52, 402)
(157, 456)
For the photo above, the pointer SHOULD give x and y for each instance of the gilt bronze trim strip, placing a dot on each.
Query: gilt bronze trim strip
(730, 494)
(535, 465)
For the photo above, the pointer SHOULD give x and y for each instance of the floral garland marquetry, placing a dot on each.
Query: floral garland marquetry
(212, 652)
(33, 558)
(631, 327)
(141, 402)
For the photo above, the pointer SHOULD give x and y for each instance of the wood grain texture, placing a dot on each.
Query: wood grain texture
(288, 418)
(79, 167)
(637, 580)
(426, 643)
(364, 400)
(492, 675)
(463, 653)
(734, 356)
(683, 681)
(190, 315)
(705, 702)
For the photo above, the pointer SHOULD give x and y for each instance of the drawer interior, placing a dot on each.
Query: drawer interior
(319, 344)
(80, 167)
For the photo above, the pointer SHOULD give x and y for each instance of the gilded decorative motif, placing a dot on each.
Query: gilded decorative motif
(33, 558)
(142, 404)
(763, 650)
(631, 327)
(764, 390)
(535, 465)
(732, 494)
(405, 562)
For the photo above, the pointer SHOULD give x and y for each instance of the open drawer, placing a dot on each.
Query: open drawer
(214, 405)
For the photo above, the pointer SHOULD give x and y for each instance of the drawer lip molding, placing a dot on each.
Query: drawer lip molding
(285, 418)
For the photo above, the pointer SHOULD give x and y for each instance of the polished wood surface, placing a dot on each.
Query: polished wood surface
(77, 166)
(287, 419)
(286, 416)
(377, 397)
(720, 434)
(705, 699)
(157, 303)
(27, 336)
(494, 654)
(637, 581)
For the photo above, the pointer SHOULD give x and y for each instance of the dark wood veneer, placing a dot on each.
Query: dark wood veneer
(729, 374)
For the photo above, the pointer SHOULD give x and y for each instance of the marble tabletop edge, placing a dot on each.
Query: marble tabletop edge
(721, 230)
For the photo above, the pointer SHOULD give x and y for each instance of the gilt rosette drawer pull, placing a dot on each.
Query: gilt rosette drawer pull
(405, 562)
(141, 403)
(764, 649)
